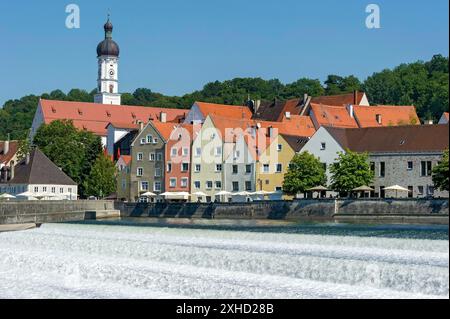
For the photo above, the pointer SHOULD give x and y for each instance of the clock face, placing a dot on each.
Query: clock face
(111, 72)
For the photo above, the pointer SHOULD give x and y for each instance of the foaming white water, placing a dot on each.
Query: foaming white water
(93, 261)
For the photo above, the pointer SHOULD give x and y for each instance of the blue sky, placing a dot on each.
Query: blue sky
(177, 46)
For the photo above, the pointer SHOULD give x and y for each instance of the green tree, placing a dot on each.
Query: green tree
(351, 170)
(440, 174)
(305, 171)
(335, 84)
(73, 150)
(101, 181)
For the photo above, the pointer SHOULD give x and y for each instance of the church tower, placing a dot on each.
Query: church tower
(108, 58)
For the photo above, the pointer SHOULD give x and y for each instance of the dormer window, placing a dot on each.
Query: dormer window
(378, 118)
(133, 115)
(108, 114)
(80, 112)
(53, 110)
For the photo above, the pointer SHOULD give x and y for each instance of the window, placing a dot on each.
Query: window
(218, 167)
(237, 154)
(197, 184)
(209, 184)
(155, 140)
(173, 182)
(266, 168)
(61, 190)
(267, 182)
(198, 152)
(323, 146)
(279, 147)
(142, 140)
(248, 168)
(410, 166)
(44, 189)
(184, 182)
(157, 172)
(140, 171)
(149, 139)
(218, 150)
(53, 190)
(372, 167)
(36, 189)
(174, 151)
(198, 168)
(235, 186)
(235, 169)
(248, 186)
(140, 156)
(278, 168)
(425, 168)
(430, 190)
(144, 186)
(69, 190)
(382, 169)
(169, 167)
(410, 191)
(420, 190)
(278, 189)
(159, 156)
(157, 186)
(185, 151)
(218, 185)
(152, 157)
(184, 167)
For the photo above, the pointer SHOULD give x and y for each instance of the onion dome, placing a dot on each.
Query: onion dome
(108, 46)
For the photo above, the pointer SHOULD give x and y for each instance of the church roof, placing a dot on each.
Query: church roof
(95, 117)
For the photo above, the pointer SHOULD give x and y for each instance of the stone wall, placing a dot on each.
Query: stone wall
(364, 210)
(14, 212)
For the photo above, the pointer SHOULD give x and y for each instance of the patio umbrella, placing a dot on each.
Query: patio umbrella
(363, 189)
(148, 194)
(262, 192)
(319, 188)
(396, 188)
(27, 194)
(243, 193)
(222, 193)
(7, 196)
(199, 194)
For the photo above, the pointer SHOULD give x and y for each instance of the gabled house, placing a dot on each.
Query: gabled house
(330, 115)
(200, 110)
(384, 115)
(403, 155)
(38, 175)
(8, 153)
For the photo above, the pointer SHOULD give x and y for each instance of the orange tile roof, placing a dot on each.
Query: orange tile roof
(340, 99)
(336, 116)
(126, 159)
(13, 147)
(94, 117)
(231, 111)
(366, 116)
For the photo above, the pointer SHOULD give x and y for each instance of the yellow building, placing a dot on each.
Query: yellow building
(273, 163)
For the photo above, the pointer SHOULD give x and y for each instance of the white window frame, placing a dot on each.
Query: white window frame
(220, 184)
(198, 151)
(173, 151)
(143, 141)
(151, 157)
(142, 185)
(173, 185)
(140, 169)
(185, 151)
(217, 166)
(212, 184)
(279, 147)
(264, 168)
(154, 186)
(184, 182)
(158, 169)
(276, 168)
(182, 168)
(140, 156)
(197, 184)
(149, 139)
(199, 166)
(159, 156)
(169, 167)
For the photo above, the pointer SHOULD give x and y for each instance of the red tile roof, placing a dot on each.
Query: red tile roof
(95, 117)
(366, 116)
(336, 116)
(341, 99)
(231, 111)
(13, 147)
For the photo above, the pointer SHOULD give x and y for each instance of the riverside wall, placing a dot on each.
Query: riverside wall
(19, 212)
(422, 211)
(426, 211)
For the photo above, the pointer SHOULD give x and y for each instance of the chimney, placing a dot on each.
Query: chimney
(350, 110)
(6, 147)
(163, 117)
(378, 118)
(257, 105)
(287, 115)
(11, 172)
(305, 98)
(27, 159)
(355, 97)
(141, 125)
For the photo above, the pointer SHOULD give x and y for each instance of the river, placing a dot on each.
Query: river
(149, 258)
